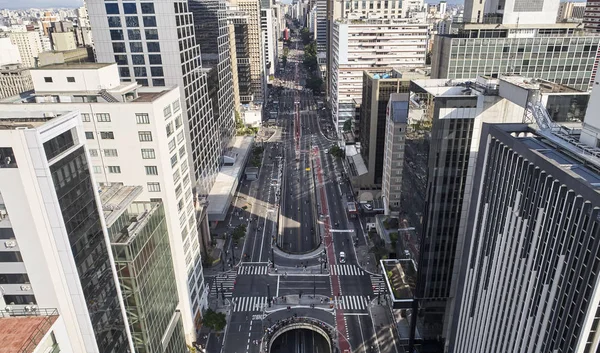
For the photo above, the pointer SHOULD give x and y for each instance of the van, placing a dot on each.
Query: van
(342, 257)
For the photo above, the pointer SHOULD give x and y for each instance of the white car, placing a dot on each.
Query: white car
(342, 257)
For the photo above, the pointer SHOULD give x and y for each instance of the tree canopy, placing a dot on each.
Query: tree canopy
(214, 320)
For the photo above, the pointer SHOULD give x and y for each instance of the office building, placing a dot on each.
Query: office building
(29, 45)
(258, 77)
(591, 16)
(14, 79)
(562, 53)
(396, 122)
(269, 29)
(531, 250)
(380, 9)
(322, 26)
(140, 245)
(62, 36)
(239, 21)
(56, 252)
(212, 35)
(397, 43)
(161, 51)
(570, 11)
(513, 12)
(135, 135)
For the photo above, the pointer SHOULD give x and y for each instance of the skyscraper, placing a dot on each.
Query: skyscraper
(521, 12)
(258, 73)
(591, 16)
(239, 21)
(56, 252)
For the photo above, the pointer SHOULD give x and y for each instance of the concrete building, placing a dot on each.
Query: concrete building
(56, 252)
(360, 45)
(258, 76)
(570, 11)
(29, 45)
(512, 12)
(532, 242)
(322, 25)
(396, 121)
(591, 17)
(14, 79)
(63, 41)
(380, 9)
(561, 53)
(9, 52)
(269, 29)
(239, 21)
(212, 35)
(134, 136)
(140, 245)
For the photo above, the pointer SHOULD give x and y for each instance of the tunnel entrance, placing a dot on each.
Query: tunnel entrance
(300, 341)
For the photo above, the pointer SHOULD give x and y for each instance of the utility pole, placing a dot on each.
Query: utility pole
(314, 287)
(222, 293)
(272, 257)
(222, 261)
(269, 294)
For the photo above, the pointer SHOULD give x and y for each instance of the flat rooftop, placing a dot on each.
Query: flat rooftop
(116, 199)
(75, 66)
(221, 194)
(539, 84)
(10, 120)
(16, 332)
(401, 278)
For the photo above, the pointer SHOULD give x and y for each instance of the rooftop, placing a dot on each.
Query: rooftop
(538, 84)
(400, 278)
(115, 199)
(11, 120)
(75, 66)
(21, 334)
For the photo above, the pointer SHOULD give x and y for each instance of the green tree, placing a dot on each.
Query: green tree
(315, 84)
(239, 232)
(284, 61)
(305, 35)
(347, 125)
(337, 152)
(214, 320)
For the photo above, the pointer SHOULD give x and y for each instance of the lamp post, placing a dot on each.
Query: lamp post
(269, 294)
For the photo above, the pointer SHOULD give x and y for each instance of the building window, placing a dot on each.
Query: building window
(156, 71)
(129, 8)
(114, 169)
(142, 81)
(148, 153)
(154, 59)
(97, 169)
(70, 79)
(147, 7)
(116, 34)
(85, 117)
(167, 111)
(124, 72)
(112, 9)
(142, 118)
(121, 59)
(180, 136)
(158, 82)
(136, 47)
(134, 34)
(132, 21)
(137, 59)
(89, 135)
(172, 145)
(178, 121)
(93, 152)
(103, 117)
(114, 21)
(153, 187)
(14, 278)
(139, 71)
(169, 129)
(151, 34)
(151, 170)
(48, 79)
(19, 299)
(107, 135)
(153, 47)
(174, 160)
(111, 152)
(118, 47)
(176, 106)
(182, 152)
(145, 136)
(149, 21)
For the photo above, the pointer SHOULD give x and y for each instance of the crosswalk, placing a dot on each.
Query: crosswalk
(346, 270)
(253, 270)
(228, 281)
(249, 304)
(352, 302)
(377, 283)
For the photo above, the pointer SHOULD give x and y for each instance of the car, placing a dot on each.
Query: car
(342, 257)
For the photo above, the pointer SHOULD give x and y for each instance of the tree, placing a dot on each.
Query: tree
(305, 35)
(347, 125)
(336, 151)
(284, 61)
(315, 84)
(239, 232)
(214, 320)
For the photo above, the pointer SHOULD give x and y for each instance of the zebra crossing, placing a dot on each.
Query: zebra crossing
(228, 281)
(352, 302)
(346, 270)
(249, 304)
(253, 270)
(377, 283)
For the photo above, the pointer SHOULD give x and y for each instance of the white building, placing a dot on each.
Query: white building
(55, 249)
(269, 31)
(380, 9)
(393, 157)
(29, 45)
(511, 12)
(9, 52)
(256, 48)
(370, 44)
(134, 136)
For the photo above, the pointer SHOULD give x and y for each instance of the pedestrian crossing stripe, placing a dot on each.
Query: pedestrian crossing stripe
(352, 302)
(253, 270)
(249, 304)
(228, 281)
(377, 282)
(346, 270)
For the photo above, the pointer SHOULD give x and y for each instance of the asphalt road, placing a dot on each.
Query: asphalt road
(300, 341)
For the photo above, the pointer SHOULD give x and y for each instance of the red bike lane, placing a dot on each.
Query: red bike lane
(343, 343)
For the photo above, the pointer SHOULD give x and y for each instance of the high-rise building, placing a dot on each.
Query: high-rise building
(29, 45)
(56, 252)
(239, 21)
(513, 12)
(354, 50)
(212, 35)
(396, 122)
(134, 135)
(531, 250)
(140, 245)
(14, 79)
(562, 53)
(322, 25)
(591, 17)
(269, 29)
(570, 11)
(9, 52)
